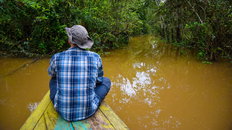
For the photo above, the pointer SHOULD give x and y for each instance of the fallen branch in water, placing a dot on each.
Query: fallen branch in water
(20, 67)
(24, 65)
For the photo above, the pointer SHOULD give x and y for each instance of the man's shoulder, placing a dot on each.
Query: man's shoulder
(56, 56)
(86, 53)
(93, 53)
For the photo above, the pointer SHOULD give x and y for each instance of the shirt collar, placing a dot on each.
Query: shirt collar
(76, 48)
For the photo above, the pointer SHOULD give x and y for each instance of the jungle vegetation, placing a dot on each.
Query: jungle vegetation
(36, 27)
(202, 25)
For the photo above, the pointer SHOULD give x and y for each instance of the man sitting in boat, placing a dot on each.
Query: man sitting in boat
(77, 85)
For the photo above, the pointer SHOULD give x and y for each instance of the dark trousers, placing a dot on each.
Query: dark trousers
(101, 89)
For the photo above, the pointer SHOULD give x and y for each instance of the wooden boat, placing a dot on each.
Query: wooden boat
(44, 117)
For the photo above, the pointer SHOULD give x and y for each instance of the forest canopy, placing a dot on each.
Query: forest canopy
(35, 27)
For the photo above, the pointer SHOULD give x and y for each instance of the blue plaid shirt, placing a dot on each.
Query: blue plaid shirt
(77, 71)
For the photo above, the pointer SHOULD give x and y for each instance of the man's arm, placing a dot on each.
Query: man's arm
(52, 67)
(100, 71)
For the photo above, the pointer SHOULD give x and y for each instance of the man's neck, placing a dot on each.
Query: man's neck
(72, 45)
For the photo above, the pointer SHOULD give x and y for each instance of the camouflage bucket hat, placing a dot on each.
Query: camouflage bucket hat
(78, 35)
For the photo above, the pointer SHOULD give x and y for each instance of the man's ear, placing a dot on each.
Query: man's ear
(69, 43)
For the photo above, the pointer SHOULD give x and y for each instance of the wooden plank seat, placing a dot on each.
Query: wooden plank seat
(44, 117)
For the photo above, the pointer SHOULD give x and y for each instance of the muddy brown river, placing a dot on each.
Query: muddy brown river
(154, 86)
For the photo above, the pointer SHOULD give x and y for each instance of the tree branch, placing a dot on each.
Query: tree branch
(198, 16)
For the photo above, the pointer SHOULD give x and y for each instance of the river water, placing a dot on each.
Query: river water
(154, 86)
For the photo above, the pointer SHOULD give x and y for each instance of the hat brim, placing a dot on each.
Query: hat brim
(68, 33)
(87, 45)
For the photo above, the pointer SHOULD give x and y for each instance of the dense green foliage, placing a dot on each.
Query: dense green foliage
(37, 27)
(204, 25)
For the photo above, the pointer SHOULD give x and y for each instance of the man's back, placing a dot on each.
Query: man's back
(77, 71)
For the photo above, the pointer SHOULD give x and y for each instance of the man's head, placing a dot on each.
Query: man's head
(78, 35)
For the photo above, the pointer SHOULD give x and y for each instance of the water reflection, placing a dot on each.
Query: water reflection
(141, 80)
(143, 83)
(125, 85)
(156, 87)
(32, 106)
